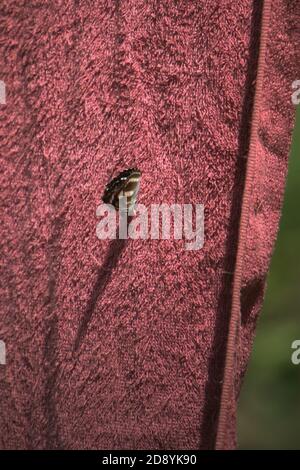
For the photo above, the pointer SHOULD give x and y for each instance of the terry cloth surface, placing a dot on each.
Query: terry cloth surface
(121, 344)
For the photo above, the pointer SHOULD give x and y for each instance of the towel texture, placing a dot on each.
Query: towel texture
(120, 344)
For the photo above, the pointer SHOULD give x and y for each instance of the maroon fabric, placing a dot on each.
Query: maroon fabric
(93, 88)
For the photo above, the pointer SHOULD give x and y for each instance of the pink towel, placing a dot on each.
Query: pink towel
(121, 344)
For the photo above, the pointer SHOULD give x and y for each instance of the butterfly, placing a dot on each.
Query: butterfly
(125, 185)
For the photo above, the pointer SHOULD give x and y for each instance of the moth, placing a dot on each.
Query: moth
(125, 185)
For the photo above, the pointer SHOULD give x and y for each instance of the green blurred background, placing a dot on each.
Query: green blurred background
(269, 408)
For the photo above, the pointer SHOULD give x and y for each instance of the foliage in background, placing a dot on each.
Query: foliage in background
(269, 409)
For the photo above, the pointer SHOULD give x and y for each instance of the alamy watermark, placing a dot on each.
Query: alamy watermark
(2, 92)
(295, 358)
(296, 93)
(2, 353)
(160, 221)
